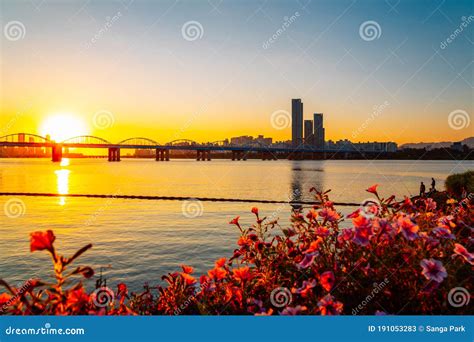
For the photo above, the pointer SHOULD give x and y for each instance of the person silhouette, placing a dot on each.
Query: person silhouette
(422, 190)
(433, 184)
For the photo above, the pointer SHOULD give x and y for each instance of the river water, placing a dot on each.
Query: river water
(137, 241)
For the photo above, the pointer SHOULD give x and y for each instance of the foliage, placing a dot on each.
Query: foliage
(396, 258)
(457, 182)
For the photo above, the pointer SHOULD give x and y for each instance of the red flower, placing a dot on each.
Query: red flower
(42, 240)
(122, 289)
(4, 299)
(187, 269)
(77, 297)
(242, 273)
(462, 251)
(314, 245)
(327, 280)
(373, 189)
(235, 220)
(189, 279)
(220, 262)
(255, 210)
(217, 273)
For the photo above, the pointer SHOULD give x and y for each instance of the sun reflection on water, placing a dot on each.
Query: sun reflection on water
(63, 181)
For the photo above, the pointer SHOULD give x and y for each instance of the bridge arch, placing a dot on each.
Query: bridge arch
(182, 142)
(86, 139)
(23, 137)
(138, 141)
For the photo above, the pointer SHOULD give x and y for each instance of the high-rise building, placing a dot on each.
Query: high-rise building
(308, 132)
(296, 122)
(318, 130)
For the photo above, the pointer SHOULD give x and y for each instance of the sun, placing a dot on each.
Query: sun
(62, 126)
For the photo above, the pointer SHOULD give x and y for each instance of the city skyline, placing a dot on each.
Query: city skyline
(140, 68)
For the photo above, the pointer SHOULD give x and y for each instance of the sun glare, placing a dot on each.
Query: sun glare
(62, 126)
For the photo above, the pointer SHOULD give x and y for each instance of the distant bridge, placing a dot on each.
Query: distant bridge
(203, 150)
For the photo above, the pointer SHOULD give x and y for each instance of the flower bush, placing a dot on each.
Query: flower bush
(403, 257)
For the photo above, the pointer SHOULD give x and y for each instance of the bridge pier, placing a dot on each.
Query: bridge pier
(162, 154)
(57, 153)
(114, 154)
(238, 155)
(268, 156)
(202, 155)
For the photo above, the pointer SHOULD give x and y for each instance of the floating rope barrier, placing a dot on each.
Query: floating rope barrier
(170, 198)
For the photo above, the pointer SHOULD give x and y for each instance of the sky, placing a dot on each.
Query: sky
(210, 70)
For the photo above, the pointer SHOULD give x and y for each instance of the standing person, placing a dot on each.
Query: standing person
(422, 190)
(433, 184)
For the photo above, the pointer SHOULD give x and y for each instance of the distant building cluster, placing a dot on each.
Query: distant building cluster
(306, 132)
(362, 146)
(311, 133)
(247, 140)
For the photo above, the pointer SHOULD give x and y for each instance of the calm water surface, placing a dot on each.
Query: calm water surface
(142, 240)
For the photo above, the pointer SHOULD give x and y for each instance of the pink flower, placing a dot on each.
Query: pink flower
(407, 228)
(329, 214)
(306, 287)
(362, 235)
(462, 251)
(433, 270)
(443, 233)
(308, 259)
(328, 306)
(290, 311)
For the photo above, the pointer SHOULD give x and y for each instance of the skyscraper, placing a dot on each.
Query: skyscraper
(319, 141)
(296, 122)
(308, 132)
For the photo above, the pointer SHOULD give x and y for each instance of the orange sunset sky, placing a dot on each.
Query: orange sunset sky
(159, 85)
